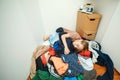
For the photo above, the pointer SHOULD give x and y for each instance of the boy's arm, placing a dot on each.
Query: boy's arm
(66, 49)
(46, 37)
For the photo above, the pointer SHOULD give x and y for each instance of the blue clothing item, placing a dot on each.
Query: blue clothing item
(70, 78)
(104, 60)
(74, 68)
(53, 38)
(60, 29)
(68, 41)
(59, 47)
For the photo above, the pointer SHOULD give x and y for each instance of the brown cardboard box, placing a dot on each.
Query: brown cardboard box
(90, 35)
(88, 21)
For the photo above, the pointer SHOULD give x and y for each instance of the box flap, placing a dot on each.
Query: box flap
(94, 16)
(89, 32)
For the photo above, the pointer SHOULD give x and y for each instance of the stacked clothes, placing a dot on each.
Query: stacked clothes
(50, 63)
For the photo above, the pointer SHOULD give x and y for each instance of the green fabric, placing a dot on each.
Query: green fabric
(80, 77)
(44, 75)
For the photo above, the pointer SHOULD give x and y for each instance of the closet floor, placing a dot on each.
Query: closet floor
(100, 71)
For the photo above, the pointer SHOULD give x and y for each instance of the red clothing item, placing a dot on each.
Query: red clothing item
(51, 51)
(85, 53)
(43, 59)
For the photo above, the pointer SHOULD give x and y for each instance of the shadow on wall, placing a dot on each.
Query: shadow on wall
(32, 11)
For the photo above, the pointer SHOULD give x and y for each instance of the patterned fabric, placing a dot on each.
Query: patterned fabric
(74, 67)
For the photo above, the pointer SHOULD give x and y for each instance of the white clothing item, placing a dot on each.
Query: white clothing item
(53, 38)
(86, 63)
(52, 70)
(94, 45)
(46, 43)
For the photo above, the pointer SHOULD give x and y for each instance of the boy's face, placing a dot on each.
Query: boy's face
(78, 44)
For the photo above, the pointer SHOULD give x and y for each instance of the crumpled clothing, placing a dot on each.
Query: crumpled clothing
(53, 38)
(44, 75)
(36, 53)
(60, 66)
(86, 62)
(94, 45)
(74, 67)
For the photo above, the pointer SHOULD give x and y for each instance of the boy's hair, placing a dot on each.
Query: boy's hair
(85, 45)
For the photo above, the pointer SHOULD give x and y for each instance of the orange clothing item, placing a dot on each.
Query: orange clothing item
(60, 66)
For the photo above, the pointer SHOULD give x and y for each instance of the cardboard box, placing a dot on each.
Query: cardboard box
(88, 21)
(90, 35)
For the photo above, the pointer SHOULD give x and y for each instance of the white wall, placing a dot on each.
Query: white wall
(110, 41)
(108, 31)
(24, 22)
(22, 25)
(106, 8)
(32, 12)
(20, 29)
(57, 13)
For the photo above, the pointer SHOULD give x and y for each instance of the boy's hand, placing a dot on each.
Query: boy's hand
(66, 51)
(46, 37)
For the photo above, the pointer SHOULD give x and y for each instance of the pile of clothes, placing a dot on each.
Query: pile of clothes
(50, 63)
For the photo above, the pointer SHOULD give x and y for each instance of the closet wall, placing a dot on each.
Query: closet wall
(59, 13)
(22, 26)
(111, 39)
(20, 23)
(108, 29)
(106, 8)
(24, 22)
